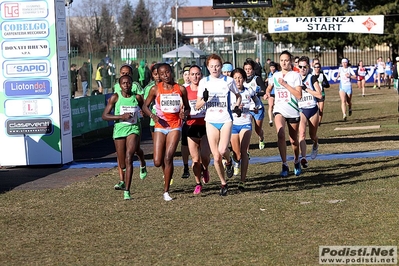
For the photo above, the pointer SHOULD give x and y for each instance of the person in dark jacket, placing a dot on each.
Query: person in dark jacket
(73, 74)
(84, 77)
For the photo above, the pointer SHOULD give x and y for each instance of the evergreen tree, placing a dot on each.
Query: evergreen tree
(126, 23)
(142, 24)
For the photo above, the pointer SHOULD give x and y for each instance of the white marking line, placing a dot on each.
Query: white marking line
(357, 128)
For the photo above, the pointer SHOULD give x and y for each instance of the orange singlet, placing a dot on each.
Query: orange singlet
(167, 105)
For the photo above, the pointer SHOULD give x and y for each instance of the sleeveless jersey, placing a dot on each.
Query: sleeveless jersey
(270, 80)
(284, 102)
(218, 105)
(361, 71)
(308, 101)
(152, 105)
(131, 126)
(388, 67)
(380, 67)
(246, 98)
(252, 85)
(167, 104)
(196, 117)
(345, 81)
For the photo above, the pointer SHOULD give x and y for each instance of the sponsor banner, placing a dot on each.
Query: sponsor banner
(332, 72)
(25, 29)
(28, 107)
(27, 68)
(33, 87)
(38, 126)
(86, 114)
(24, 10)
(338, 24)
(24, 49)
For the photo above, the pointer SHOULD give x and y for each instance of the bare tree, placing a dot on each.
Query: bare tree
(94, 26)
(162, 8)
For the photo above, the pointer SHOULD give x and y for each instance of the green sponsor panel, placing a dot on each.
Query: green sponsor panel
(96, 107)
(80, 116)
(86, 114)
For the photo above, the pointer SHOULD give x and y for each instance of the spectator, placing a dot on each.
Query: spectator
(84, 77)
(73, 74)
(258, 67)
(142, 74)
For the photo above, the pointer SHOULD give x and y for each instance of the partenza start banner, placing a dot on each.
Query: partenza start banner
(338, 24)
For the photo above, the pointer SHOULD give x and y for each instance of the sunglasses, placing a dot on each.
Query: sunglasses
(304, 67)
(296, 62)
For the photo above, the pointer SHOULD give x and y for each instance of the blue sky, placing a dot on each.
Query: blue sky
(200, 2)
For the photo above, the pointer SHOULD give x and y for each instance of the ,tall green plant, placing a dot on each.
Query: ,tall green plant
(142, 24)
(125, 21)
(255, 19)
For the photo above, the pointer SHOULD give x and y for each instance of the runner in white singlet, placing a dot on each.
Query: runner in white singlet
(242, 126)
(311, 91)
(346, 73)
(287, 89)
(214, 91)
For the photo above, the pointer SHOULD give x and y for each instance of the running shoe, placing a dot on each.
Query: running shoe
(350, 112)
(167, 197)
(363, 95)
(284, 171)
(304, 162)
(223, 190)
(241, 186)
(229, 169)
(120, 186)
(143, 172)
(236, 168)
(375, 86)
(261, 145)
(297, 169)
(205, 176)
(271, 123)
(186, 174)
(126, 195)
(344, 117)
(197, 189)
(315, 150)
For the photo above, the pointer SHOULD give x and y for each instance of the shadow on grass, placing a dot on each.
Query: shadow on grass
(334, 175)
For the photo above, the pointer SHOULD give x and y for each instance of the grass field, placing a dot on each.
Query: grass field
(276, 221)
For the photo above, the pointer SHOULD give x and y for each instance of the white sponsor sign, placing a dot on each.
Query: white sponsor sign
(27, 68)
(23, 49)
(31, 107)
(339, 24)
(21, 10)
(24, 29)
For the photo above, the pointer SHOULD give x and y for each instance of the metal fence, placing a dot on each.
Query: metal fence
(242, 50)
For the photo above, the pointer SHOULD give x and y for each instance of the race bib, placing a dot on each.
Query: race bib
(194, 113)
(282, 95)
(133, 110)
(307, 100)
(170, 103)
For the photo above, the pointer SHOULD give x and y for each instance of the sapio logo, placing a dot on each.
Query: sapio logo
(27, 87)
(26, 68)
